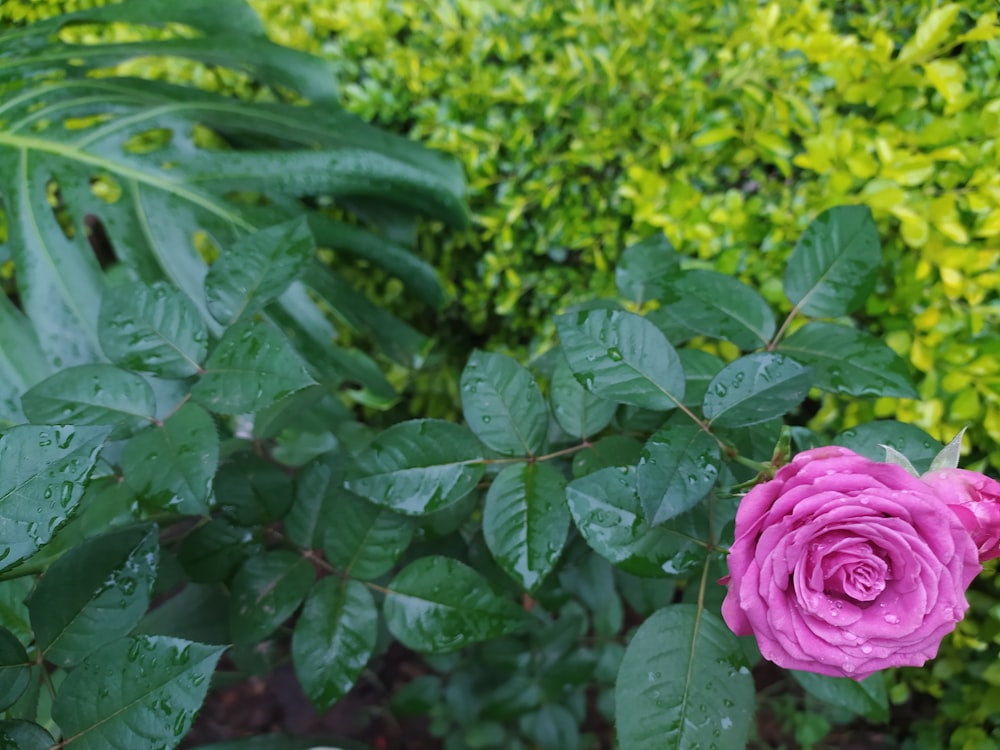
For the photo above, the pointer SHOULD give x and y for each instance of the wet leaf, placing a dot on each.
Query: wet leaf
(756, 388)
(645, 268)
(578, 411)
(265, 592)
(365, 540)
(15, 669)
(679, 466)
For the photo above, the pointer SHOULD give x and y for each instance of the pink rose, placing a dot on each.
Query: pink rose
(975, 498)
(844, 566)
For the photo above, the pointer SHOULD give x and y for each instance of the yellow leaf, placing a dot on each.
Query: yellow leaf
(862, 165)
(966, 405)
(986, 29)
(944, 216)
(990, 225)
(948, 77)
(931, 32)
(883, 195)
(713, 136)
(909, 170)
(912, 226)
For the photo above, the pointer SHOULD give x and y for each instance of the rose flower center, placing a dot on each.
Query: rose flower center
(854, 569)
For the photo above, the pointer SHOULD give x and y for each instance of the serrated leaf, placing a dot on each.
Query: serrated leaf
(755, 388)
(252, 366)
(92, 394)
(871, 438)
(645, 269)
(257, 269)
(679, 466)
(265, 592)
(437, 604)
(525, 521)
(365, 541)
(132, 690)
(18, 734)
(172, 465)
(606, 509)
(578, 411)
(334, 639)
(153, 329)
(833, 267)
(867, 697)
(15, 667)
(317, 487)
(503, 405)
(683, 683)
(418, 467)
(708, 303)
(45, 469)
(622, 357)
(848, 361)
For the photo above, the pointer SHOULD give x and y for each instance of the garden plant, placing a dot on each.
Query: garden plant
(208, 466)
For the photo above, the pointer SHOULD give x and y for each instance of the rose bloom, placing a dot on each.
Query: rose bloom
(844, 566)
(976, 500)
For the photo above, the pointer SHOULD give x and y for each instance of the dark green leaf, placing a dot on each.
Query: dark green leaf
(645, 595)
(578, 411)
(678, 467)
(94, 594)
(317, 488)
(437, 604)
(613, 450)
(15, 669)
(708, 303)
(848, 361)
(525, 521)
(645, 268)
(699, 369)
(253, 366)
(334, 639)
(92, 394)
(868, 697)
(133, 690)
(622, 357)
(17, 734)
(44, 473)
(265, 592)
(553, 727)
(252, 491)
(153, 329)
(833, 267)
(756, 388)
(868, 440)
(172, 465)
(606, 508)
(683, 684)
(256, 269)
(364, 540)
(22, 362)
(212, 552)
(199, 612)
(282, 742)
(418, 467)
(503, 405)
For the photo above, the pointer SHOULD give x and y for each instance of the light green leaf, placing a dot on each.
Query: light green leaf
(503, 405)
(683, 684)
(365, 540)
(833, 267)
(525, 521)
(931, 33)
(252, 366)
(437, 604)
(418, 467)
(578, 411)
(15, 667)
(154, 329)
(334, 639)
(132, 690)
(265, 592)
(756, 388)
(679, 466)
(622, 357)
(94, 594)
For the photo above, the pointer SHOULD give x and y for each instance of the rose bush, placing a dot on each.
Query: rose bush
(975, 498)
(844, 566)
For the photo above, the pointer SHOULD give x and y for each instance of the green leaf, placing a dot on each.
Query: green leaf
(212, 552)
(44, 473)
(503, 405)
(869, 697)
(153, 329)
(525, 521)
(334, 639)
(198, 612)
(699, 369)
(578, 411)
(708, 303)
(22, 361)
(94, 594)
(553, 727)
(679, 466)
(265, 592)
(870, 438)
(318, 487)
(683, 683)
(606, 508)
(848, 361)
(833, 267)
(17, 734)
(92, 394)
(252, 491)
(418, 467)
(613, 450)
(257, 269)
(172, 465)
(645, 269)
(133, 690)
(252, 366)
(437, 604)
(365, 541)
(15, 669)
(622, 357)
(756, 388)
